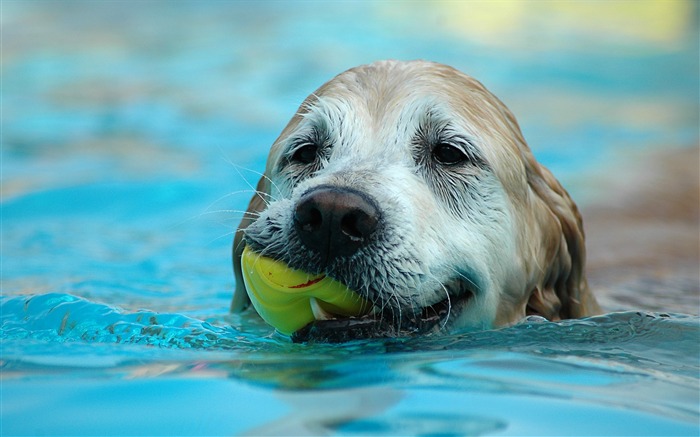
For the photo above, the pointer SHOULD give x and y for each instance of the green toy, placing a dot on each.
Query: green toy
(290, 299)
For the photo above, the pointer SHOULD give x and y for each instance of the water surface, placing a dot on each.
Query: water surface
(131, 140)
(159, 373)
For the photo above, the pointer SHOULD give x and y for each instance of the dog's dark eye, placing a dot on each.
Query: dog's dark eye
(306, 154)
(448, 154)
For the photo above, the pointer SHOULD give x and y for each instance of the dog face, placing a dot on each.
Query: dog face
(411, 183)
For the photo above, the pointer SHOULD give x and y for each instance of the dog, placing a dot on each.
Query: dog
(412, 184)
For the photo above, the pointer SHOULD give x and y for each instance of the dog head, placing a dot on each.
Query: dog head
(412, 184)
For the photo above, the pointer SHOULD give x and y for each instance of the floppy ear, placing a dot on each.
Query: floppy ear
(554, 240)
(257, 204)
(561, 292)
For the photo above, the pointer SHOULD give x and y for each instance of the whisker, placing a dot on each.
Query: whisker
(423, 299)
(267, 196)
(237, 211)
(235, 193)
(398, 315)
(228, 235)
(238, 169)
(240, 214)
(449, 306)
(207, 210)
(466, 278)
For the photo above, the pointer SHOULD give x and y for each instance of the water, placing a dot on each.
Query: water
(130, 138)
(165, 373)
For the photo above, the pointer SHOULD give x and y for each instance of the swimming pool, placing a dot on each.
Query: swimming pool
(131, 135)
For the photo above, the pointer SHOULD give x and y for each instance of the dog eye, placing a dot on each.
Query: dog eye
(447, 154)
(306, 154)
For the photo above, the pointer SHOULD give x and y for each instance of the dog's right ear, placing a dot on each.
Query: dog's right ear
(257, 204)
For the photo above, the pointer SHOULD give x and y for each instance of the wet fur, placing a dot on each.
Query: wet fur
(500, 225)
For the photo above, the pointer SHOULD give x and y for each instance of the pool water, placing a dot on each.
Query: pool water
(132, 137)
(89, 368)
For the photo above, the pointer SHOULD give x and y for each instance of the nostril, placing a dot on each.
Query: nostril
(310, 219)
(349, 226)
(357, 225)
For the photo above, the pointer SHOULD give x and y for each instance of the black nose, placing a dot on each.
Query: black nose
(335, 222)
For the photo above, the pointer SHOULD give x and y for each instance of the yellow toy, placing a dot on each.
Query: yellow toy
(290, 299)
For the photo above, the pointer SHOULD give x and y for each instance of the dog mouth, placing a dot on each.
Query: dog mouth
(397, 310)
(389, 322)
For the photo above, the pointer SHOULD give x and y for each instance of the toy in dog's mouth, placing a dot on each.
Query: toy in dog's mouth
(316, 307)
(290, 299)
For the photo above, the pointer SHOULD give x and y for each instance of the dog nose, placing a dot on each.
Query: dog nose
(335, 222)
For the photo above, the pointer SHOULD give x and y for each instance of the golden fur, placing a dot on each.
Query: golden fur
(542, 264)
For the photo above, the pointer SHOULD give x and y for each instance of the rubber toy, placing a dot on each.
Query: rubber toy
(290, 299)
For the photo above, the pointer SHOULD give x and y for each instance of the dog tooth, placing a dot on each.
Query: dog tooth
(319, 313)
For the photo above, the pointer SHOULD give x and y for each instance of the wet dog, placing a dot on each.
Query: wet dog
(412, 184)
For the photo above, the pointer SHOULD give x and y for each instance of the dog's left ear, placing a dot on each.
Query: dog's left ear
(558, 288)
(561, 290)
(257, 204)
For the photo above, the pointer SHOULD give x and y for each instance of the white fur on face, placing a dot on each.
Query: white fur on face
(440, 224)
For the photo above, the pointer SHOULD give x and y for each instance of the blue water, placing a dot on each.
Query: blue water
(131, 137)
(166, 373)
